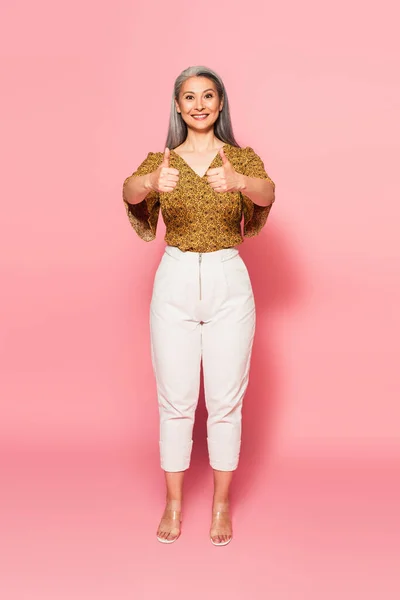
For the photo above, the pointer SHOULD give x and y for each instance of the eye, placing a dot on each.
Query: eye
(209, 95)
(188, 97)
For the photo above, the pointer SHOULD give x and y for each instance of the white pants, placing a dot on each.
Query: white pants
(202, 309)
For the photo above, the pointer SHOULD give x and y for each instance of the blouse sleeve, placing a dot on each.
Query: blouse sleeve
(144, 216)
(255, 216)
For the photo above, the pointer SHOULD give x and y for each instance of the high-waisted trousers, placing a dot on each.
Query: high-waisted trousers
(202, 312)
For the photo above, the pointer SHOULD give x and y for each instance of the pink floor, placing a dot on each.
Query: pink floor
(79, 525)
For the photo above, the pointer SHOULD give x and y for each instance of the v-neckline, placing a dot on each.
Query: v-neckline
(209, 166)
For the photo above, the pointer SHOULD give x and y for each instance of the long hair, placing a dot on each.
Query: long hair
(177, 129)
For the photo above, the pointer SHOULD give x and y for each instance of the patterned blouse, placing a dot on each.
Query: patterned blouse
(196, 217)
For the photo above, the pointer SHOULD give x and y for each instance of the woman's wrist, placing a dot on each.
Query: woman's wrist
(136, 188)
(241, 182)
(148, 182)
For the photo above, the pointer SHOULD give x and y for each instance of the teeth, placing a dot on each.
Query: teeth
(199, 117)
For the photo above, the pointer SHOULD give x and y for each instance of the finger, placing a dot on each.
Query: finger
(171, 175)
(213, 178)
(167, 188)
(165, 162)
(173, 171)
(217, 182)
(171, 179)
(214, 171)
(218, 187)
(225, 160)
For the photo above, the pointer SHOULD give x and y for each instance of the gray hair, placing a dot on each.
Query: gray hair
(177, 130)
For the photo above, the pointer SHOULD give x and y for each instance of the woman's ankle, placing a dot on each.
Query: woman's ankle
(221, 503)
(173, 502)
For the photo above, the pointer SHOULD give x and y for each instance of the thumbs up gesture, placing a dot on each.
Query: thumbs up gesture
(225, 178)
(165, 178)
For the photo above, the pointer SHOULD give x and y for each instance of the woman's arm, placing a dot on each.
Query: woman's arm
(260, 191)
(162, 179)
(136, 188)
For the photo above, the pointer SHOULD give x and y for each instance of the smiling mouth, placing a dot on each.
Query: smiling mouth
(199, 117)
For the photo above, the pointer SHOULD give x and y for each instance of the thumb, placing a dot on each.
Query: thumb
(225, 160)
(165, 162)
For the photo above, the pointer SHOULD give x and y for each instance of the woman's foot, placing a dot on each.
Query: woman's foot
(169, 528)
(221, 524)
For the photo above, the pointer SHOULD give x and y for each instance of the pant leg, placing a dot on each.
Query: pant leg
(227, 345)
(176, 354)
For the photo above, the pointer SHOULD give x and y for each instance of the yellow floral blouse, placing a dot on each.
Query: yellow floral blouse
(197, 218)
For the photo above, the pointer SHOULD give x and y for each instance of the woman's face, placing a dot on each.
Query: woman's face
(199, 103)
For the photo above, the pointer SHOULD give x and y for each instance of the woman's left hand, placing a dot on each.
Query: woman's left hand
(225, 178)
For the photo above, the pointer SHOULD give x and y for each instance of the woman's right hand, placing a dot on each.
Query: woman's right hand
(165, 178)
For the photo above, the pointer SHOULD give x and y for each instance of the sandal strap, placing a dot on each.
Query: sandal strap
(172, 513)
(219, 514)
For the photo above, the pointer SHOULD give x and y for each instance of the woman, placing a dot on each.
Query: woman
(202, 307)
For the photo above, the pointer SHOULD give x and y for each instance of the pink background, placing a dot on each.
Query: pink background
(314, 90)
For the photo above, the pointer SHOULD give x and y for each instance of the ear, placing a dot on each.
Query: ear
(177, 106)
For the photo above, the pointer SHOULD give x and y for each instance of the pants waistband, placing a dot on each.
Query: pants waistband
(216, 256)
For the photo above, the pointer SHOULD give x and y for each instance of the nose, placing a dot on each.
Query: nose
(199, 104)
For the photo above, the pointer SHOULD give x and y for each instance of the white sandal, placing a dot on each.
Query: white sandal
(218, 516)
(174, 515)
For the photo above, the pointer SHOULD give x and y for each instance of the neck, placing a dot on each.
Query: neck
(201, 142)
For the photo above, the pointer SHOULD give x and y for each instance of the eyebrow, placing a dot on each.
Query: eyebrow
(207, 90)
